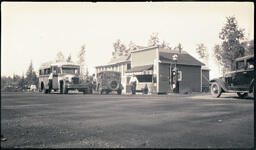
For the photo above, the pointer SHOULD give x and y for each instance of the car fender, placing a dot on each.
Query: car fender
(220, 83)
(251, 85)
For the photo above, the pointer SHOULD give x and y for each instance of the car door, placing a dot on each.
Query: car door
(249, 75)
(240, 77)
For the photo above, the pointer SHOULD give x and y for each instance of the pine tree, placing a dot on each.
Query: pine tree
(69, 58)
(153, 40)
(231, 46)
(203, 53)
(60, 57)
(31, 77)
(81, 62)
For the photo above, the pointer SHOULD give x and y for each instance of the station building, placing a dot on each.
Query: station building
(153, 67)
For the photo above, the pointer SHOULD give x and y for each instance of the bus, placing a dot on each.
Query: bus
(62, 77)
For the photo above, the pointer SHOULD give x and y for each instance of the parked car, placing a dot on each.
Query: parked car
(240, 80)
(108, 81)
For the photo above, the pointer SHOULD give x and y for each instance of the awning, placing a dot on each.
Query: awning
(141, 70)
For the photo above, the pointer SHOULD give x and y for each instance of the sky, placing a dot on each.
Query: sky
(37, 31)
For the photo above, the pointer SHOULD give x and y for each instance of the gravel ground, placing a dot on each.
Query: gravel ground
(35, 120)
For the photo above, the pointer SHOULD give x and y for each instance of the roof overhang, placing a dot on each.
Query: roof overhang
(144, 49)
(141, 70)
(114, 64)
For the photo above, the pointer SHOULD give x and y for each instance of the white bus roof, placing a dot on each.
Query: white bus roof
(59, 64)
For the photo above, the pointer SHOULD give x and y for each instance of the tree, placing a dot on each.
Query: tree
(120, 49)
(22, 81)
(31, 77)
(165, 45)
(69, 58)
(231, 46)
(153, 40)
(179, 47)
(81, 62)
(60, 57)
(132, 46)
(203, 53)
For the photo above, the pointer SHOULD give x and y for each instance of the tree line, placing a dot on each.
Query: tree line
(121, 50)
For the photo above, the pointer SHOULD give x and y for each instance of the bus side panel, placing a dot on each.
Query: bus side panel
(55, 83)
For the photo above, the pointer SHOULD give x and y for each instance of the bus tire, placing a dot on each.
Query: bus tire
(61, 87)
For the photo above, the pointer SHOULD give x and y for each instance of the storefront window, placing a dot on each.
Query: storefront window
(128, 66)
(144, 78)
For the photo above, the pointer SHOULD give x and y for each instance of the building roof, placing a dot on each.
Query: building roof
(140, 47)
(140, 68)
(143, 48)
(183, 58)
(119, 59)
(59, 64)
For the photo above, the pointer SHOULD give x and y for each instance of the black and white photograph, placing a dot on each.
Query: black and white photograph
(170, 74)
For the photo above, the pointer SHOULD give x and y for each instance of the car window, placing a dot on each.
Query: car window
(240, 65)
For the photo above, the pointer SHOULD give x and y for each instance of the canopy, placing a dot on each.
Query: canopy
(141, 70)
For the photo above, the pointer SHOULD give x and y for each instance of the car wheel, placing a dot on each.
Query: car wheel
(216, 89)
(61, 87)
(242, 95)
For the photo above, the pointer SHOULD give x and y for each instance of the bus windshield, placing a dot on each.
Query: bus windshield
(70, 70)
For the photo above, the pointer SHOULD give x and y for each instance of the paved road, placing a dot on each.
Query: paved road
(151, 121)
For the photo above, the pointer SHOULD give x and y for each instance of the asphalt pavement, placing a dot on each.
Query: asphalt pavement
(35, 120)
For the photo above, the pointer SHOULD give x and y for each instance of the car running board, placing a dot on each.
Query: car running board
(232, 91)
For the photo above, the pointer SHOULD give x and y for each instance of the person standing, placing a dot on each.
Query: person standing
(50, 81)
(133, 82)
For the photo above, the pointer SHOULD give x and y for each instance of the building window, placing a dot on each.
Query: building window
(128, 66)
(144, 78)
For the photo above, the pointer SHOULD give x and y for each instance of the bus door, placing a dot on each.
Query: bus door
(55, 77)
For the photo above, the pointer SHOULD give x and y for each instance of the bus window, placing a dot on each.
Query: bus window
(47, 71)
(70, 70)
